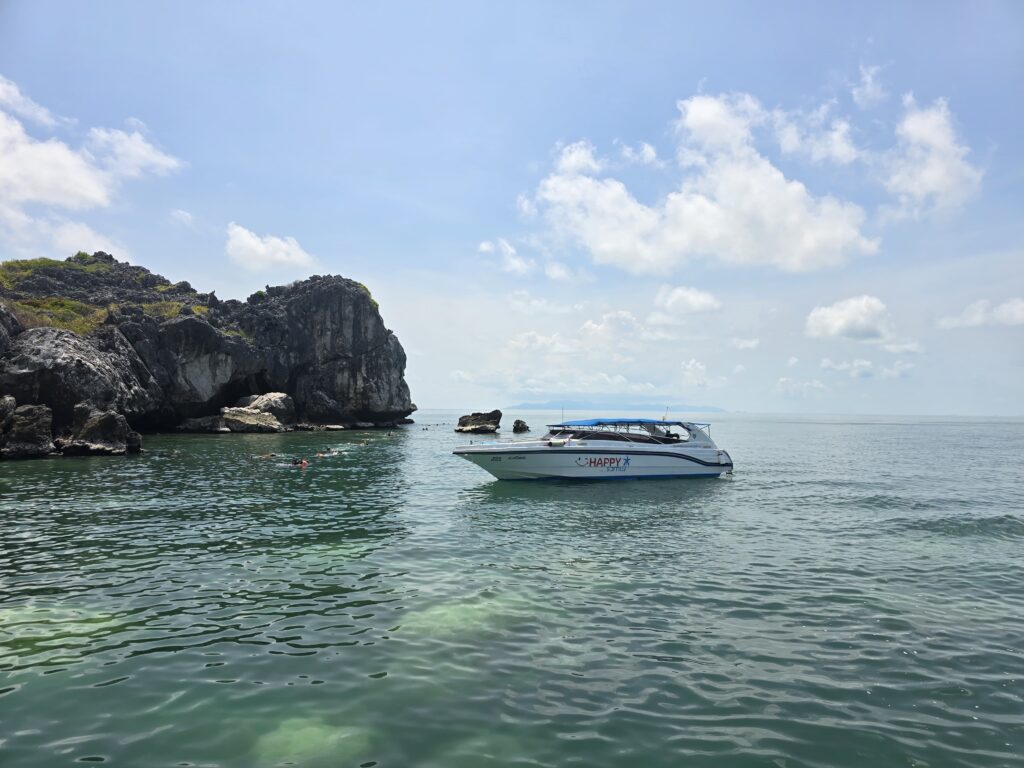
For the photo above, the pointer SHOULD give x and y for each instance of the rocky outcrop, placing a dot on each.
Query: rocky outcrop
(59, 368)
(326, 345)
(99, 433)
(272, 412)
(519, 426)
(163, 355)
(278, 404)
(29, 433)
(204, 424)
(7, 406)
(250, 420)
(9, 328)
(479, 423)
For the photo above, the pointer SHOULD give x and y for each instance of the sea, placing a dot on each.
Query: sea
(853, 595)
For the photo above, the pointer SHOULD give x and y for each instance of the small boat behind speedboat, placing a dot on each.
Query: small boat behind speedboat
(605, 449)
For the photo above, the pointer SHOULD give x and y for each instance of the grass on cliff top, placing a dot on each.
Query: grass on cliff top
(165, 310)
(57, 312)
(369, 296)
(14, 272)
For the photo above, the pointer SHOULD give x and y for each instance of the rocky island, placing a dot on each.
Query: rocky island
(94, 347)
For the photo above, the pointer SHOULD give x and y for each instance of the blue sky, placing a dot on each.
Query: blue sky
(799, 207)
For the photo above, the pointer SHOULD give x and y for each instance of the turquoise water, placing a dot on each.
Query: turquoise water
(853, 596)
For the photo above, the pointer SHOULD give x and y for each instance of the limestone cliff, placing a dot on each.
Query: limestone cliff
(93, 329)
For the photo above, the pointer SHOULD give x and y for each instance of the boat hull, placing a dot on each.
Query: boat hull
(595, 464)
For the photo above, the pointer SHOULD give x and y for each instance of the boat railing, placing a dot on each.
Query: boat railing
(625, 435)
(484, 439)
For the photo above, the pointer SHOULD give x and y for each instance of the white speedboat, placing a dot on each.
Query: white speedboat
(605, 449)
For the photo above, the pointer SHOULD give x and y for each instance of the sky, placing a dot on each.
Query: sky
(791, 207)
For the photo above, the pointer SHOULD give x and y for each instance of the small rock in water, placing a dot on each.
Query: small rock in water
(28, 435)
(520, 426)
(480, 423)
(278, 404)
(250, 420)
(96, 432)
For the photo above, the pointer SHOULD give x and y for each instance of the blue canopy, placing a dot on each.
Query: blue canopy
(617, 423)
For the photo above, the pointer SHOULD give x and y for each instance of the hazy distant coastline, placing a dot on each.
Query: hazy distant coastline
(612, 405)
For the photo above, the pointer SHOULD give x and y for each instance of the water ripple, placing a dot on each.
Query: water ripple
(842, 604)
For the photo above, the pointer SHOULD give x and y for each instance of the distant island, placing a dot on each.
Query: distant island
(612, 405)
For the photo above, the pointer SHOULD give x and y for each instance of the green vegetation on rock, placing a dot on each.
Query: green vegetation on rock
(58, 312)
(14, 272)
(239, 332)
(369, 296)
(164, 309)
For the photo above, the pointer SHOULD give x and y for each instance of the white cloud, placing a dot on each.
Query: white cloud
(740, 368)
(533, 340)
(577, 158)
(14, 101)
(128, 155)
(71, 236)
(904, 348)
(898, 370)
(526, 207)
(868, 92)
(644, 154)
(695, 374)
(737, 343)
(798, 388)
(599, 382)
(49, 177)
(863, 318)
(929, 171)
(511, 261)
(1010, 312)
(561, 371)
(48, 172)
(612, 325)
(813, 135)
(735, 206)
(556, 271)
(681, 300)
(717, 123)
(607, 339)
(255, 253)
(182, 217)
(523, 302)
(54, 236)
(857, 369)
(792, 361)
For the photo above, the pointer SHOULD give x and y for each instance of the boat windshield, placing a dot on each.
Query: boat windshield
(623, 432)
